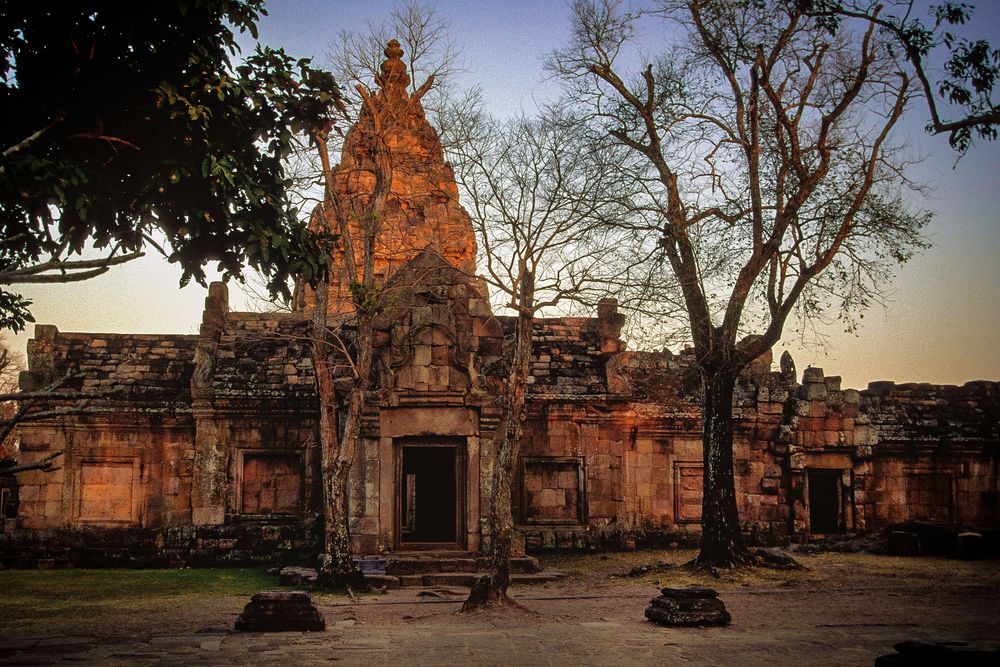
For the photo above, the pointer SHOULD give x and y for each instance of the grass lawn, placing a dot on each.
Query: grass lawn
(35, 600)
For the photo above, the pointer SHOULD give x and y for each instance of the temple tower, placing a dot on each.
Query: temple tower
(422, 210)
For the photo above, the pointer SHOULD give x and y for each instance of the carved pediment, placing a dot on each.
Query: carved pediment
(428, 355)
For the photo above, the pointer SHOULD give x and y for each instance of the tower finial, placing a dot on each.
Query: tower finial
(393, 78)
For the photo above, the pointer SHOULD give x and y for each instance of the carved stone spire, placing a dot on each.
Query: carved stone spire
(422, 212)
(393, 78)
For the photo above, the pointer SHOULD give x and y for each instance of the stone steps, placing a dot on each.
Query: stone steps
(444, 568)
(466, 579)
(433, 564)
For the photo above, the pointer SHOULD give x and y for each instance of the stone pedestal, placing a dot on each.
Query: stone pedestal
(903, 543)
(953, 654)
(280, 611)
(970, 546)
(688, 607)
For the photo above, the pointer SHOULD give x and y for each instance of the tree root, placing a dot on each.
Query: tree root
(333, 580)
(484, 596)
(756, 557)
(777, 559)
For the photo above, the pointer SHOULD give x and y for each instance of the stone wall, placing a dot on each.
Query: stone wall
(613, 444)
(177, 546)
(934, 454)
(127, 459)
(810, 457)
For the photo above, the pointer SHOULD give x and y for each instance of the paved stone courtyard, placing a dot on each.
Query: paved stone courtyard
(559, 624)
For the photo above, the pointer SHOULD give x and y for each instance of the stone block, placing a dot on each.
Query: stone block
(688, 607)
(480, 308)
(297, 576)
(770, 485)
(381, 581)
(903, 543)
(954, 654)
(404, 378)
(411, 566)
(46, 332)
(422, 355)
(971, 546)
(815, 391)
(812, 375)
(457, 564)
(280, 611)
(771, 408)
(208, 516)
(32, 380)
(486, 328)
(440, 355)
(437, 375)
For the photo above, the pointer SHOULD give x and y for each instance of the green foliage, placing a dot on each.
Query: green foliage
(124, 123)
(366, 296)
(971, 68)
(14, 313)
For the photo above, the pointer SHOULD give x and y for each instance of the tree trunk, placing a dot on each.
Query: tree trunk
(492, 588)
(336, 565)
(721, 541)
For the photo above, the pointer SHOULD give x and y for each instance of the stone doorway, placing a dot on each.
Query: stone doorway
(825, 501)
(429, 495)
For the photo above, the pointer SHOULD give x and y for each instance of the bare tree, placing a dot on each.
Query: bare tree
(762, 144)
(358, 224)
(356, 55)
(10, 366)
(544, 208)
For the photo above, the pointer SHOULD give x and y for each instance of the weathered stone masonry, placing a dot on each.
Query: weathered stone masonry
(203, 448)
(222, 453)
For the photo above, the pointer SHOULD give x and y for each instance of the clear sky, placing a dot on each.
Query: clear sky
(941, 325)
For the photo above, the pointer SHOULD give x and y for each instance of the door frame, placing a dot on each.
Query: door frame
(836, 476)
(458, 444)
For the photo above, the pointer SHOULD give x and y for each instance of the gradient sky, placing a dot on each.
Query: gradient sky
(941, 325)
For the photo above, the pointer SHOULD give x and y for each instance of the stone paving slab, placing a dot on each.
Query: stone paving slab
(770, 627)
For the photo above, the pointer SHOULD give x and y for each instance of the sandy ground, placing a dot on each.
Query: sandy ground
(839, 612)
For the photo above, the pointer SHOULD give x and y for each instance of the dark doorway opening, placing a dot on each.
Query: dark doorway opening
(429, 494)
(825, 501)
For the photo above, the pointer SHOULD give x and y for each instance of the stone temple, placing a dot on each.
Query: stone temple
(203, 448)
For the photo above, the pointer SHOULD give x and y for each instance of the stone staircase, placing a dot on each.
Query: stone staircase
(444, 568)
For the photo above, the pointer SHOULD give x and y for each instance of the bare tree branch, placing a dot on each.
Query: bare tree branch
(44, 465)
(65, 271)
